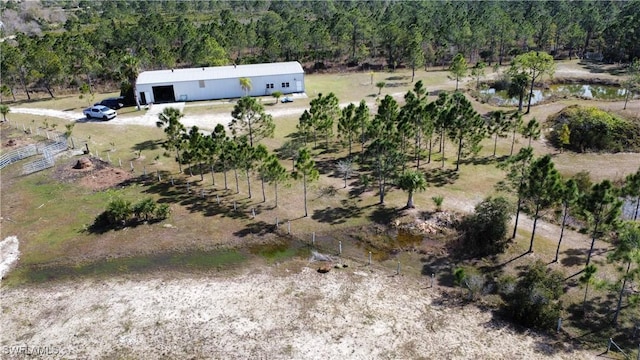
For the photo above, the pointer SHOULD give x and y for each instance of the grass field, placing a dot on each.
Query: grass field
(51, 218)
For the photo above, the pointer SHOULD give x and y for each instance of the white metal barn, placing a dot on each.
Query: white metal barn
(220, 82)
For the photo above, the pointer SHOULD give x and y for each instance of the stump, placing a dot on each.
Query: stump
(83, 163)
(324, 268)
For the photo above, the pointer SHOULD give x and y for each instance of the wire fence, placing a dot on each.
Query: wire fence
(48, 155)
(18, 154)
(54, 144)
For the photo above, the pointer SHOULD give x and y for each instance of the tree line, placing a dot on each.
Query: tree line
(111, 41)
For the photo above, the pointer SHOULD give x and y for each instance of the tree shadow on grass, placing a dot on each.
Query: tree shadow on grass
(442, 177)
(383, 215)
(485, 160)
(599, 68)
(437, 266)
(257, 228)
(496, 267)
(147, 145)
(326, 166)
(337, 215)
(573, 257)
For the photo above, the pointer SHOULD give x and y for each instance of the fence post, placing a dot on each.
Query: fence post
(433, 278)
(253, 213)
(120, 162)
(218, 199)
(289, 227)
(131, 164)
(188, 188)
(398, 269)
(235, 207)
(608, 346)
(277, 222)
(313, 238)
(109, 157)
(638, 351)
(172, 183)
(73, 145)
(144, 171)
(339, 247)
(158, 174)
(202, 193)
(369, 258)
(559, 324)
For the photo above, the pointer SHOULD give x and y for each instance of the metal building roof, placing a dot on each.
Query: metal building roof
(219, 72)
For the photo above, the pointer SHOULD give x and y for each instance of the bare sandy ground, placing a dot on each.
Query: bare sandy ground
(273, 313)
(9, 254)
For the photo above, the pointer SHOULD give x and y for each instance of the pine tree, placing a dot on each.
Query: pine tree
(568, 196)
(458, 68)
(602, 207)
(542, 188)
(274, 173)
(249, 119)
(348, 125)
(169, 119)
(517, 167)
(305, 170)
(628, 251)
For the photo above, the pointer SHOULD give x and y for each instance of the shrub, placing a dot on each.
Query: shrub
(593, 129)
(120, 212)
(534, 300)
(162, 212)
(144, 208)
(484, 231)
(470, 279)
(438, 200)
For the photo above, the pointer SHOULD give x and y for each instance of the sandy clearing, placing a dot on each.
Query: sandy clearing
(274, 314)
(9, 254)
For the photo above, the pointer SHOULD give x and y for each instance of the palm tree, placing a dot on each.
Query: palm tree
(277, 95)
(412, 181)
(130, 68)
(4, 110)
(245, 84)
(380, 85)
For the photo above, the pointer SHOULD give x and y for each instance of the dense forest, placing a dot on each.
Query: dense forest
(77, 44)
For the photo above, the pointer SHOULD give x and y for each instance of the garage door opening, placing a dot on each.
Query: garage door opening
(163, 94)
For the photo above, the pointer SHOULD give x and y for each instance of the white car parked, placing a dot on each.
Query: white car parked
(99, 112)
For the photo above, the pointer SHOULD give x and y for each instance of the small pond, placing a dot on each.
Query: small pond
(586, 91)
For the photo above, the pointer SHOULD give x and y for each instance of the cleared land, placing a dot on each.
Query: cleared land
(269, 313)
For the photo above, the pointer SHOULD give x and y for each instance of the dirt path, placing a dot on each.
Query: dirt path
(150, 117)
(354, 313)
